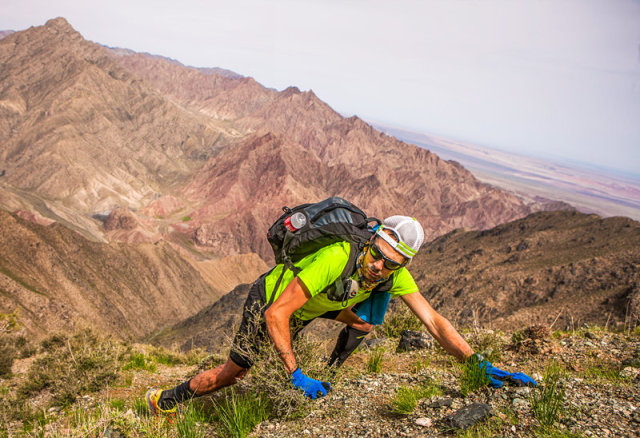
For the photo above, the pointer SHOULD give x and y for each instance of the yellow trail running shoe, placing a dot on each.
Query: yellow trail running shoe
(153, 396)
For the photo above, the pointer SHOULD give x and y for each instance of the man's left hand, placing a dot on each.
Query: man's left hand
(497, 376)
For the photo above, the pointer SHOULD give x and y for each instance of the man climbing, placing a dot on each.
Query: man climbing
(282, 296)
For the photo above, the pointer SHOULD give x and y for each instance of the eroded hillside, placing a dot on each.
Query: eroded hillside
(53, 279)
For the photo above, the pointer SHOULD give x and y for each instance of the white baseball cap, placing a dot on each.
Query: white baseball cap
(408, 231)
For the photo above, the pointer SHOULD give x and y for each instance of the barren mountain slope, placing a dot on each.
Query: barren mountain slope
(566, 267)
(79, 129)
(57, 280)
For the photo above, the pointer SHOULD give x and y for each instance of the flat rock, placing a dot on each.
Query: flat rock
(469, 415)
(424, 422)
(442, 402)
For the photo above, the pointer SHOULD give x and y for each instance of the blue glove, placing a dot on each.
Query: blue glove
(310, 386)
(497, 377)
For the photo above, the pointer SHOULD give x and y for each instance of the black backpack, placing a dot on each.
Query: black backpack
(329, 221)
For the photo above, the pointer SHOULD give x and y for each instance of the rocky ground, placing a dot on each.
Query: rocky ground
(599, 374)
(601, 393)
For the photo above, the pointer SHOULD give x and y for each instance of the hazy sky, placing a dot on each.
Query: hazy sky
(553, 78)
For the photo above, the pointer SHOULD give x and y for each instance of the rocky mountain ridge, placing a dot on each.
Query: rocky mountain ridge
(561, 268)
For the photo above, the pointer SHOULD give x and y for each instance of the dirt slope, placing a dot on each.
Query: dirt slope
(56, 279)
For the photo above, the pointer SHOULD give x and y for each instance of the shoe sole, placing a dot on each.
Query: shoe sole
(150, 404)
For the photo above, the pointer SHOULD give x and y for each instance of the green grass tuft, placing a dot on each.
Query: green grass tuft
(117, 404)
(192, 420)
(374, 365)
(240, 414)
(547, 403)
(138, 361)
(406, 398)
(473, 377)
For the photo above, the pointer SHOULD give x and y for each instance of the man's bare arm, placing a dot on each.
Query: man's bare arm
(352, 320)
(277, 318)
(439, 326)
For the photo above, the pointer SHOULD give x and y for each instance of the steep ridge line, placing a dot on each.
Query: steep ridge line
(566, 268)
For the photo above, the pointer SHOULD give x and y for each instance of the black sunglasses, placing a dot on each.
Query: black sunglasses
(391, 265)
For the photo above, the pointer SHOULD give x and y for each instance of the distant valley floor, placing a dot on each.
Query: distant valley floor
(588, 190)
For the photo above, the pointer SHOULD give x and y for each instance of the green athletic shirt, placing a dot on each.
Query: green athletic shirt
(322, 268)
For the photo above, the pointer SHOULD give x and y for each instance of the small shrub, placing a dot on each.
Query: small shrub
(12, 409)
(399, 319)
(138, 361)
(240, 414)
(489, 344)
(269, 377)
(53, 342)
(473, 376)
(8, 342)
(72, 365)
(197, 355)
(186, 218)
(407, 397)
(547, 403)
(6, 358)
(374, 365)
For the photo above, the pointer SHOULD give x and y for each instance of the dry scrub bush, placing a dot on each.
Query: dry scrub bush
(269, 377)
(72, 365)
(10, 343)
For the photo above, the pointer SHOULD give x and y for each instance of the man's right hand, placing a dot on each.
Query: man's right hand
(311, 387)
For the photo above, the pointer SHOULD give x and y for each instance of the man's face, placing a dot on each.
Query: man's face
(375, 269)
